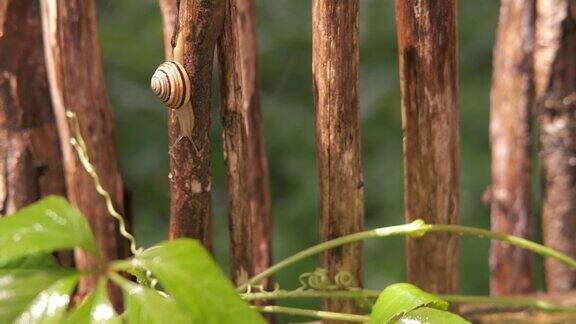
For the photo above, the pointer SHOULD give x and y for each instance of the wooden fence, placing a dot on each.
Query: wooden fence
(534, 84)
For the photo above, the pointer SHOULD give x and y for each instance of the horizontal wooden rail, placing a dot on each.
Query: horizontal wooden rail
(483, 313)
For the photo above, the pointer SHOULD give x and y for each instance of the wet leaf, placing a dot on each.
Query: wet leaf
(46, 226)
(50, 305)
(399, 299)
(19, 289)
(427, 315)
(33, 261)
(190, 276)
(147, 306)
(95, 309)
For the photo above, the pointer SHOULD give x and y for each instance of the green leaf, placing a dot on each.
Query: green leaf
(50, 305)
(33, 261)
(147, 306)
(49, 225)
(96, 308)
(427, 315)
(399, 299)
(19, 288)
(192, 278)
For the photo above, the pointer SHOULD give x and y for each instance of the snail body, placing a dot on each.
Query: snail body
(171, 84)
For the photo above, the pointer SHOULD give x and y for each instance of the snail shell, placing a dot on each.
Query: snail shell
(171, 84)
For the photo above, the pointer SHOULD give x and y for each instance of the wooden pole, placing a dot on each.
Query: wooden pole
(30, 155)
(335, 60)
(198, 26)
(512, 98)
(169, 11)
(427, 46)
(77, 84)
(555, 73)
(244, 148)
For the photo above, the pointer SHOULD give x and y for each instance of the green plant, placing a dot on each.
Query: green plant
(192, 289)
(35, 289)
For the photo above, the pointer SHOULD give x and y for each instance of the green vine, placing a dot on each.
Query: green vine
(318, 284)
(77, 141)
(313, 313)
(319, 280)
(415, 229)
(365, 294)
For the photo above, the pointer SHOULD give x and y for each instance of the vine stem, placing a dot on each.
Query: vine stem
(313, 313)
(510, 301)
(77, 141)
(415, 229)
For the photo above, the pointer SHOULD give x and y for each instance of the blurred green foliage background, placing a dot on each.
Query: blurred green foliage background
(131, 38)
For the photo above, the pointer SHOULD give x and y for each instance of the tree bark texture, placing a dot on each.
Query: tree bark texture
(77, 84)
(335, 60)
(30, 155)
(427, 45)
(555, 73)
(512, 98)
(198, 25)
(244, 147)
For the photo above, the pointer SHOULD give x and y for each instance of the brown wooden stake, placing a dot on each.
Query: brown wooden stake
(169, 10)
(512, 98)
(30, 150)
(244, 148)
(198, 25)
(77, 83)
(335, 60)
(429, 82)
(30, 154)
(555, 73)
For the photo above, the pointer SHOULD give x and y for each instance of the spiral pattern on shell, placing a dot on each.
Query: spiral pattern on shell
(171, 84)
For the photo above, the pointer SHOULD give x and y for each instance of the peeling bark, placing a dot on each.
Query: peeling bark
(427, 45)
(555, 73)
(512, 98)
(244, 148)
(335, 60)
(76, 80)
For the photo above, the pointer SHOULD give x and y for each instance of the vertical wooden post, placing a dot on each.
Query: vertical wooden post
(244, 149)
(169, 12)
(198, 26)
(77, 83)
(30, 155)
(555, 73)
(511, 103)
(427, 47)
(335, 60)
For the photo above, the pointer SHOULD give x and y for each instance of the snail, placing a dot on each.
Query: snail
(171, 84)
